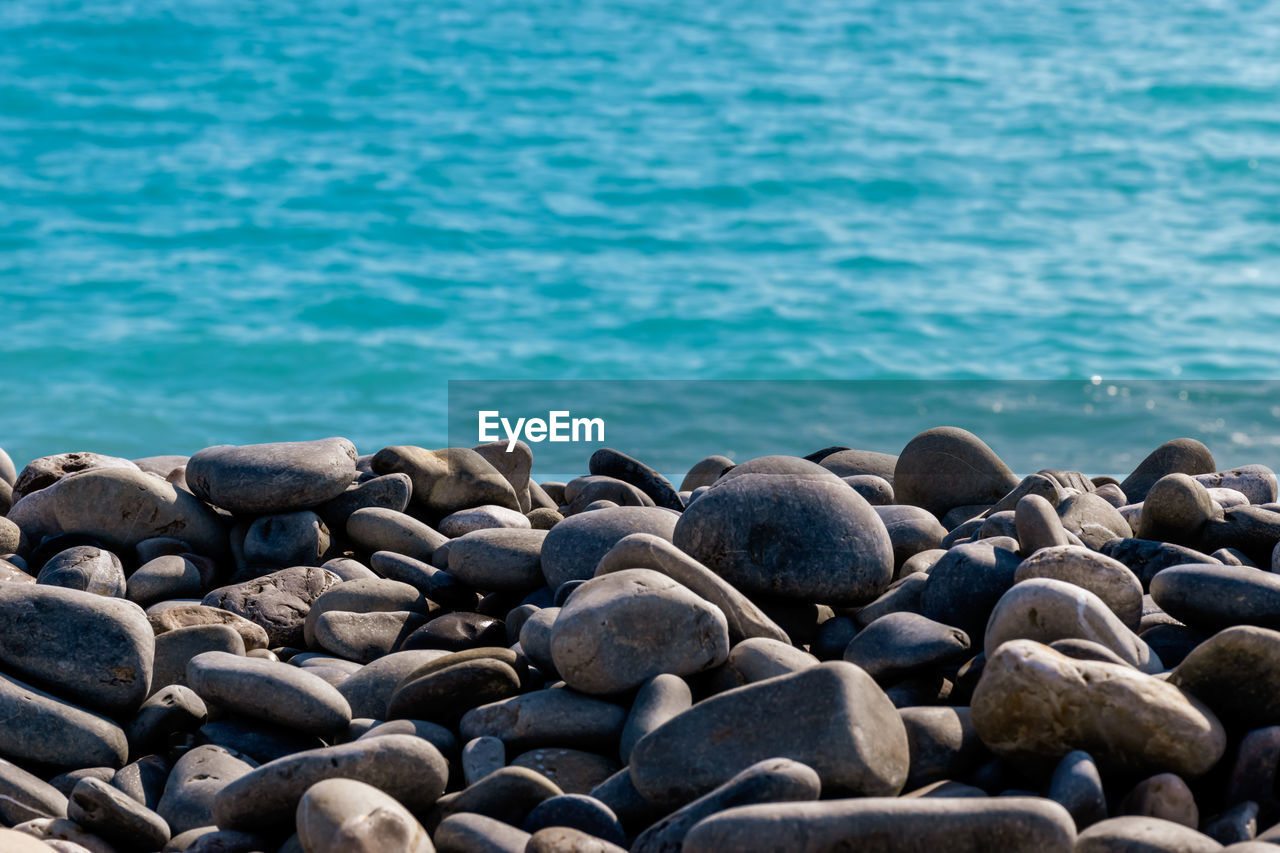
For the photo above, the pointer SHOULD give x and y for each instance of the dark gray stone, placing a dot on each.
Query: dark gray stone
(266, 690)
(965, 584)
(549, 717)
(286, 539)
(115, 816)
(390, 491)
(195, 780)
(499, 559)
(573, 548)
(1139, 834)
(278, 602)
(608, 462)
(44, 472)
(1176, 509)
(1180, 456)
(1077, 785)
(1236, 672)
(175, 649)
(259, 479)
(85, 568)
(447, 480)
(376, 529)
(947, 467)
(42, 728)
(24, 796)
(942, 743)
(1212, 597)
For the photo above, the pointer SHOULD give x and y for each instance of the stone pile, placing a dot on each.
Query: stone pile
(292, 647)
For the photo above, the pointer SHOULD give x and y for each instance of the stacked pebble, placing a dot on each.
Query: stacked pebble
(289, 647)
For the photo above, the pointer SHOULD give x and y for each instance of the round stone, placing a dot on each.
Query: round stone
(260, 479)
(573, 548)
(194, 782)
(486, 517)
(1107, 578)
(797, 536)
(621, 629)
(947, 467)
(85, 568)
(286, 539)
(270, 691)
(499, 559)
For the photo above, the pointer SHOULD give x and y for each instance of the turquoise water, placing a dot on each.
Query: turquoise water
(232, 221)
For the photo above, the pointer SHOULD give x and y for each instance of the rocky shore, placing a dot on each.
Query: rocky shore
(292, 647)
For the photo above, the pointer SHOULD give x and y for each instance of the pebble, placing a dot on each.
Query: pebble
(573, 548)
(25, 796)
(508, 794)
(467, 832)
(499, 559)
(266, 690)
(942, 744)
(42, 728)
(1176, 510)
(47, 470)
(482, 756)
(347, 816)
(912, 531)
(1037, 524)
(1092, 520)
(882, 825)
(565, 839)
(378, 529)
(1107, 578)
(365, 637)
(759, 658)
(175, 649)
(574, 771)
(805, 536)
(899, 644)
(1256, 482)
(1143, 833)
(1212, 597)
(840, 723)
(277, 602)
(87, 569)
(369, 690)
(444, 695)
(186, 615)
(607, 462)
(118, 508)
(168, 577)
(947, 467)
(552, 716)
(364, 596)
(1077, 785)
(448, 480)
(1179, 456)
(621, 629)
(705, 472)
(1164, 796)
(91, 649)
(405, 767)
(457, 631)
(486, 517)
(286, 539)
(194, 781)
(115, 816)
(1045, 609)
(965, 584)
(1236, 672)
(390, 491)
(261, 479)
(1033, 701)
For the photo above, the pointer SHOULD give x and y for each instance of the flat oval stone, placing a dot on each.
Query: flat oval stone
(118, 508)
(621, 629)
(646, 551)
(186, 615)
(508, 794)
(390, 491)
(876, 490)
(1143, 833)
(573, 548)
(346, 816)
(486, 517)
(608, 462)
(883, 825)
(115, 816)
(942, 743)
(266, 690)
(374, 595)
(365, 637)
(549, 717)
(175, 649)
(405, 767)
(94, 650)
(278, 602)
(446, 694)
(446, 480)
(438, 736)
(947, 467)
(566, 839)
(499, 559)
(1076, 784)
(574, 771)
(24, 796)
(195, 780)
(579, 812)
(457, 631)
(376, 529)
(1215, 596)
(467, 832)
(803, 537)
(1032, 701)
(899, 644)
(260, 479)
(168, 577)
(840, 723)
(1256, 482)
(1107, 578)
(42, 728)
(774, 780)
(1145, 558)
(482, 756)
(85, 568)
(369, 690)
(1236, 672)
(1045, 609)
(286, 539)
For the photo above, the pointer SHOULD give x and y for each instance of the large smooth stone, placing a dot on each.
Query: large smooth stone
(899, 644)
(168, 577)
(261, 479)
(446, 694)
(115, 816)
(467, 832)
(806, 537)
(1236, 672)
(646, 551)
(41, 728)
(573, 548)
(705, 472)
(840, 723)
(621, 629)
(1045, 610)
(947, 467)
(93, 650)
(1179, 456)
(942, 742)
(278, 602)
(882, 825)
(1032, 701)
(447, 480)
(346, 816)
(375, 529)
(774, 780)
(1211, 597)
(1256, 482)
(44, 472)
(1142, 834)
(270, 691)
(1146, 558)
(405, 767)
(486, 517)
(175, 649)
(369, 689)
(24, 796)
(508, 794)
(85, 568)
(574, 771)
(1107, 578)
(549, 717)
(1077, 785)
(118, 508)
(498, 559)
(187, 615)
(1093, 520)
(390, 491)
(194, 782)
(286, 539)
(364, 596)
(965, 584)
(365, 637)
(607, 462)
(1176, 509)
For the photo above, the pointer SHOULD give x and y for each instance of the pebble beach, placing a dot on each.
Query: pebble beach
(293, 647)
